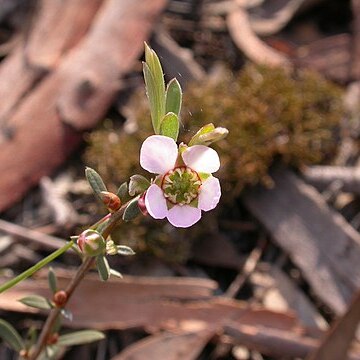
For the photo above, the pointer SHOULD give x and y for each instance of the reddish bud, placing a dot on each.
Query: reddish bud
(91, 243)
(60, 298)
(141, 204)
(52, 339)
(110, 200)
(24, 353)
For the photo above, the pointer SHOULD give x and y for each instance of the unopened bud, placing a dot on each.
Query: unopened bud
(91, 243)
(60, 298)
(217, 134)
(141, 204)
(52, 339)
(111, 201)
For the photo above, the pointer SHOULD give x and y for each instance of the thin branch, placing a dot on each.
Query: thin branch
(83, 269)
(46, 241)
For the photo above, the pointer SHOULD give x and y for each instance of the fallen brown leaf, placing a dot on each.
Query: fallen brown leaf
(167, 346)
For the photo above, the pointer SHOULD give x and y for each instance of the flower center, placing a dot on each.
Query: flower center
(181, 185)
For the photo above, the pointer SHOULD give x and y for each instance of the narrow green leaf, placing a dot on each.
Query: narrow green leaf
(80, 337)
(24, 275)
(31, 337)
(170, 126)
(36, 301)
(156, 99)
(123, 193)
(103, 267)
(154, 64)
(173, 97)
(116, 273)
(11, 336)
(155, 87)
(125, 250)
(52, 280)
(138, 184)
(95, 181)
(132, 210)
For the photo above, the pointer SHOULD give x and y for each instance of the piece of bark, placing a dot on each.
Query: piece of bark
(62, 211)
(248, 268)
(150, 303)
(176, 61)
(331, 56)
(54, 35)
(355, 56)
(318, 240)
(51, 36)
(277, 343)
(278, 292)
(169, 346)
(337, 342)
(46, 241)
(218, 251)
(272, 16)
(248, 42)
(322, 176)
(74, 96)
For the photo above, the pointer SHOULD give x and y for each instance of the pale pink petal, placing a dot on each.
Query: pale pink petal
(210, 193)
(158, 154)
(201, 159)
(183, 216)
(155, 202)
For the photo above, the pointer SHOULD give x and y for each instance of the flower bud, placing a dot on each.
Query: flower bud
(217, 134)
(141, 204)
(52, 339)
(111, 201)
(60, 298)
(91, 243)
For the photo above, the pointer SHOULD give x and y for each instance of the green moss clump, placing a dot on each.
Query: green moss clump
(270, 115)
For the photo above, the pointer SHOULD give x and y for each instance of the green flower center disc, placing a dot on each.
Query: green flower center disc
(181, 185)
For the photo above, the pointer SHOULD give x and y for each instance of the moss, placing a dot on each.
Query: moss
(270, 115)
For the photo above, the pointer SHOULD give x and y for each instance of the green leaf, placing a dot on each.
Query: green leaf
(132, 210)
(11, 336)
(36, 301)
(173, 97)
(155, 87)
(103, 267)
(9, 284)
(80, 337)
(125, 250)
(138, 184)
(123, 193)
(31, 337)
(170, 126)
(205, 129)
(95, 181)
(52, 280)
(116, 273)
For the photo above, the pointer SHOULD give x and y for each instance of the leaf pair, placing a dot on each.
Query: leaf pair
(165, 105)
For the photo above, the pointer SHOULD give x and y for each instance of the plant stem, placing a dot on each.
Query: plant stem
(36, 267)
(50, 321)
(82, 270)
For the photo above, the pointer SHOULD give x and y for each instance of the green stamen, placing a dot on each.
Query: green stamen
(181, 185)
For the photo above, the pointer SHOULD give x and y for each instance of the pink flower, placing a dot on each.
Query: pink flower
(185, 185)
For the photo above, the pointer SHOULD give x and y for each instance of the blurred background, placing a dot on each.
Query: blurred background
(266, 273)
